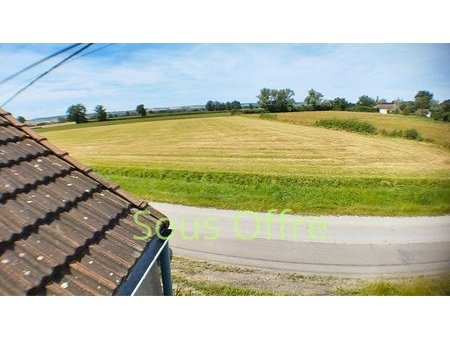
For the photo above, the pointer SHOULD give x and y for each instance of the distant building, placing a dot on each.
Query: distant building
(423, 112)
(385, 108)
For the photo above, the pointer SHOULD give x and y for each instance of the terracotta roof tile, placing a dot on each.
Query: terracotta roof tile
(64, 230)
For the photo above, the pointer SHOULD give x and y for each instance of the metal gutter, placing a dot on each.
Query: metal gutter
(166, 274)
(156, 249)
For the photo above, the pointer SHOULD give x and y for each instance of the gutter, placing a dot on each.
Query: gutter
(155, 249)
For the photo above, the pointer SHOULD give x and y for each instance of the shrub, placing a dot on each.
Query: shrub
(348, 125)
(412, 134)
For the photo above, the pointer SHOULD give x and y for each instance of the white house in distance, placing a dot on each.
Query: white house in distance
(385, 108)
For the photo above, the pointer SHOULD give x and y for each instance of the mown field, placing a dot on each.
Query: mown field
(246, 163)
(131, 119)
(431, 130)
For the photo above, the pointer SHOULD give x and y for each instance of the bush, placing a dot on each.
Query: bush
(412, 134)
(348, 125)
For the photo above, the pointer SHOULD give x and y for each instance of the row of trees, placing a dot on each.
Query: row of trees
(78, 113)
(216, 105)
(278, 100)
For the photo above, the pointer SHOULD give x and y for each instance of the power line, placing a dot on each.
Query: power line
(91, 52)
(46, 72)
(39, 62)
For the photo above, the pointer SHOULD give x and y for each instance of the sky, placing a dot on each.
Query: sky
(121, 76)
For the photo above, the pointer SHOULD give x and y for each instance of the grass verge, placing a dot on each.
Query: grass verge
(186, 287)
(199, 278)
(416, 286)
(303, 195)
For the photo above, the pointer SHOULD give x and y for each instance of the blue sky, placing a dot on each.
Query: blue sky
(125, 75)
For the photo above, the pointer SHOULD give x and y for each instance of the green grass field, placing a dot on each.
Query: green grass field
(257, 164)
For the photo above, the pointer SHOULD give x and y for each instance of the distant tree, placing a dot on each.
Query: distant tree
(219, 105)
(339, 103)
(210, 106)
(365, 101)
(326, 105)
(314, 99)
(445, 106)
(101, 113)
(216, 105)
(276, 100)
(284, 99)
(140, 109)
(236, 105)
(441, 112)
(77, 113)
(264, 98)
(422, 100)
(21, 119)
(406, 107)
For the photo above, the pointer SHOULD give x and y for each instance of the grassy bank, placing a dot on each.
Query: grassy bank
(304, 195)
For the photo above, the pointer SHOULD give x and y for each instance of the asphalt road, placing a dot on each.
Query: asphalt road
(337, 245)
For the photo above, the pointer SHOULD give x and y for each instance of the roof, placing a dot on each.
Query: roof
(386, 106)
(64, 230)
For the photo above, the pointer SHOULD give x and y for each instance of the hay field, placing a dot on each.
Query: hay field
(251, 146)
(435, 131)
